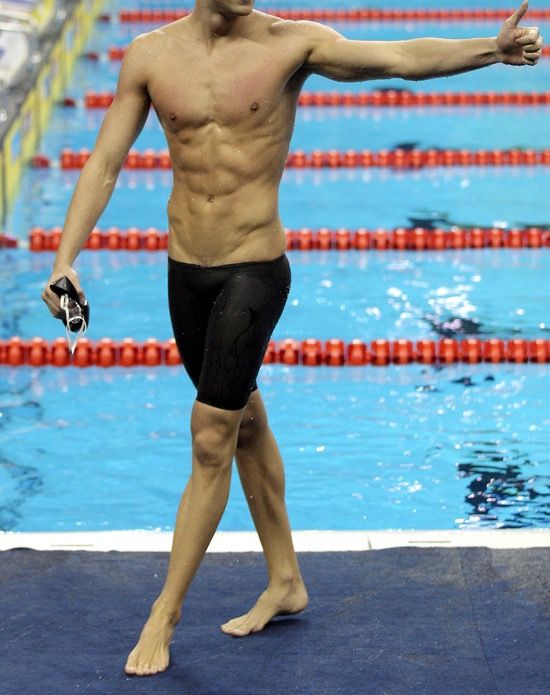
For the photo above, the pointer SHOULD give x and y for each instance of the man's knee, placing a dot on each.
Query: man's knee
(253, 423)
(214, 434)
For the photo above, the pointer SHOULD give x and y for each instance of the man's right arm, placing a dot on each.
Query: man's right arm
(122, 124)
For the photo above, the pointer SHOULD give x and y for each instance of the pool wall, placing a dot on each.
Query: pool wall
(28, 108)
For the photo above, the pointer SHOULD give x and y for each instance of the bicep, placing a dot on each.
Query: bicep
(128, 112)
(345, 60)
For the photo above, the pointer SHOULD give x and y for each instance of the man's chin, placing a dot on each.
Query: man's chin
(237, 10)
(243, 8)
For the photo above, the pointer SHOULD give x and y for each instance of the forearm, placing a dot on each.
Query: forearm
(430, 57)
(91, 195)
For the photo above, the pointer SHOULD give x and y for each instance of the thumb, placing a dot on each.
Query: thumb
(518, 14)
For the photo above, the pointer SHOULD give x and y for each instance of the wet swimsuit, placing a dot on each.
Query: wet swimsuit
(223, 317)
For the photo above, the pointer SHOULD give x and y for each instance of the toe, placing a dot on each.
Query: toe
(131, 666)
(238, 629)
(236, 633)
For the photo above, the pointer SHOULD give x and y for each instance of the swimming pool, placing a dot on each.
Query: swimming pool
(400, 447)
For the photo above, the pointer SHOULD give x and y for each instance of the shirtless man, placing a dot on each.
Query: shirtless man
(224, 82)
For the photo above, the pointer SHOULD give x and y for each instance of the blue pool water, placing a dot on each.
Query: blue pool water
(334, 294)
(400, 447)
(411, 447)
(353, 198)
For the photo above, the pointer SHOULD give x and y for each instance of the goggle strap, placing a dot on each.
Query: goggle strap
(72, 340)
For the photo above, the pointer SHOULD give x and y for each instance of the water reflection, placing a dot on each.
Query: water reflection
(19, 481)
(502, 493)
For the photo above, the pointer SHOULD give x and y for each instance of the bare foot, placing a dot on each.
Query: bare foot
(277, 599)
(151, 654)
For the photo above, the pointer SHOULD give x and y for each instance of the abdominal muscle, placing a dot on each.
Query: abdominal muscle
(223, 207)
(213, 229)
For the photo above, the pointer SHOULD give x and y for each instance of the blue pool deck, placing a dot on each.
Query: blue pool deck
(410, 612)
(391, 621)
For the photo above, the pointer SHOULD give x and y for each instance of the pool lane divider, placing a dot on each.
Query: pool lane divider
(333, 159)
(384, 97)
(39, 352)
(365, 14)
(306, 239)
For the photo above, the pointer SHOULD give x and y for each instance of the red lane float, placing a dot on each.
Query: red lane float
(38, 352)
(386, 97)
(40, 161)
(8, 242)
(151, 15)
(306, 239)
(405, 98)
(336, 159)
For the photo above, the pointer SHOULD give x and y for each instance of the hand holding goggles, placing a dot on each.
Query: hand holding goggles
(76, 312)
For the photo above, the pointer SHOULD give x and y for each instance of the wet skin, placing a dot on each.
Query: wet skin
(228, 124)
(224, 83)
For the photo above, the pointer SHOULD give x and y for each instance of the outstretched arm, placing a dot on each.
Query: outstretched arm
(331, 55)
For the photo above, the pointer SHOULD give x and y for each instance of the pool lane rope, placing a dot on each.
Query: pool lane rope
(342, 15)
(38, 352)
(403, 98)
(333, 159)
(307, 239)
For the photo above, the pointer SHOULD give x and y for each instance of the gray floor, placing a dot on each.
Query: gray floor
(399, 621)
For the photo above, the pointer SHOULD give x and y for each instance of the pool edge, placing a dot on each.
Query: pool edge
(304, 541)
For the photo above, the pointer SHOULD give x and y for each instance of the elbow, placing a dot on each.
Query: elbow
(411, 76)
(106, 168)
(403, 64)
(405, 70)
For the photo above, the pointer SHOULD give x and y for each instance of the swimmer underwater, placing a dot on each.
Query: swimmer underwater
(224, 82)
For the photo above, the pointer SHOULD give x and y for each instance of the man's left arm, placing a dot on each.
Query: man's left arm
(335, 57)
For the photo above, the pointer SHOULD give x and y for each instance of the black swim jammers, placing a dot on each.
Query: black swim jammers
(223, 317)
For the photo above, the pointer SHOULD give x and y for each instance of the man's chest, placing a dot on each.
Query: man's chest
(228, 86)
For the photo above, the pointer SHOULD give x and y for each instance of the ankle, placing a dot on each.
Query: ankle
(166, 609)
(286, 579)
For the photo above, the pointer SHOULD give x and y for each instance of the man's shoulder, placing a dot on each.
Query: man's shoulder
(157, 37)
(140, 44)
(303, 29)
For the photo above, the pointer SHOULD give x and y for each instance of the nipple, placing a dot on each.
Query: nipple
(172, 116)
(255, 106)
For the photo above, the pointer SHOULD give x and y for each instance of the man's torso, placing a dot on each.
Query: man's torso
(228, 114)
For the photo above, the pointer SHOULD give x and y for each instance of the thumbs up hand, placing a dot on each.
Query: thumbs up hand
(519, 45)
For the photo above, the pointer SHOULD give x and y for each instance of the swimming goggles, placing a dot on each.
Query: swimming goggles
(76, 312)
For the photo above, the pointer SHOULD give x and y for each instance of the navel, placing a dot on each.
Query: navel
(210, 198)
(254, 106)
(172, 116)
